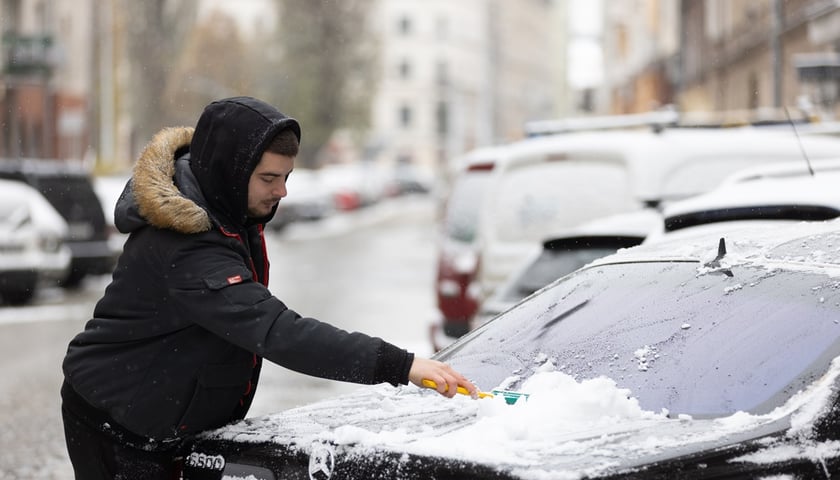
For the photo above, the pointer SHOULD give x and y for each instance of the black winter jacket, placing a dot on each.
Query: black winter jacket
(176, 342)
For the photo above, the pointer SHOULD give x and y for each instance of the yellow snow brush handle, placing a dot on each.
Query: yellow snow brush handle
(463, 391)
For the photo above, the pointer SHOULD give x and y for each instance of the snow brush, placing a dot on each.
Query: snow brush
(509, 396)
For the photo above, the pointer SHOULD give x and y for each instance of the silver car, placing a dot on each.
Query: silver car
(32, 248)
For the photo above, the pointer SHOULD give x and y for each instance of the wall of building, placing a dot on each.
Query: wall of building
(45, 107)
(726, 56)
(459, 75)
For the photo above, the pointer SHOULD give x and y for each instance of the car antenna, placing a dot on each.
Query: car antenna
(716, 262)
(799, 140)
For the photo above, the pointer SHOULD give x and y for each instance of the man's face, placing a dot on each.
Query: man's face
(268, 183)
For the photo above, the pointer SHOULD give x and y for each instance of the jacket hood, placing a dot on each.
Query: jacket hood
(152, 196)
(187, 178)
(229, 140)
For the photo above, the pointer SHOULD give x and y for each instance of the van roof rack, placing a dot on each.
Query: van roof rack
(668, 117)
(656, 119)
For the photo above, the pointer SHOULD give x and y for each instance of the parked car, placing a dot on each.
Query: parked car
(697, 358)
(565, 252)
(778, 192)
(32, 248)
(308, 200)
(69, 189)
(354, 185)
(456, 290)
(543, 184)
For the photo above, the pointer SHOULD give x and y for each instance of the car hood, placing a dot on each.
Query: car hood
(542, 436)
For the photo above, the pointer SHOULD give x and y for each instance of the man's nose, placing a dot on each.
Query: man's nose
(280, 191)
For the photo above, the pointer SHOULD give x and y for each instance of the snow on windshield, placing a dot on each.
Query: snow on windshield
(570, 428)
(751, 242)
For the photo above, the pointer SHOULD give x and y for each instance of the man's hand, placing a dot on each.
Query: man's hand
(446, 378)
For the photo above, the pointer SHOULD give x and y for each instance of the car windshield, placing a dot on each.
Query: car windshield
(11, 208)
(699, 344)
(463, 205)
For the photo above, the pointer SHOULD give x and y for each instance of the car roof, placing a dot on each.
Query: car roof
(41, 211)
(637, 223)
(768, 194)
(654, 156)
(798, 169)
(749, 241)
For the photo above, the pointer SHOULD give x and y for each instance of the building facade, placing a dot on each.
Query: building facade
(46, 78)
(641, 42)
(744, 57)
(458, 75)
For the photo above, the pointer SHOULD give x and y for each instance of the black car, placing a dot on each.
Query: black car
(714, 356)
(69, 189)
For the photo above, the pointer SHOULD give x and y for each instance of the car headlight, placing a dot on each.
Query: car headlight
(49, 243)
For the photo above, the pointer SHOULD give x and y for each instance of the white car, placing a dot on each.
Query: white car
(791, 192)
(559, 181)
(538, 186)
(32, 248)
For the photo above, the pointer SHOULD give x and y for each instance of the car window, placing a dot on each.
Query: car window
(698, 344)
(701, 173)
(549, 266)
(534, 200)
(463, 205)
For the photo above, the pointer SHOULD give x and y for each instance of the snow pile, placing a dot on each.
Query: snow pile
(566, 429)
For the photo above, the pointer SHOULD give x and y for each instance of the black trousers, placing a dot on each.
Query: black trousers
(101, 449)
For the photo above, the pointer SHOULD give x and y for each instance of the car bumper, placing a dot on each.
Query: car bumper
(35, 264)
(93, 257)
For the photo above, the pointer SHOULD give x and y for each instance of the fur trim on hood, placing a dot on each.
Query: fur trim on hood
(158, 199)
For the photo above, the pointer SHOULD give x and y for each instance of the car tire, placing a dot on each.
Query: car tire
(73, 279)
(18, 296)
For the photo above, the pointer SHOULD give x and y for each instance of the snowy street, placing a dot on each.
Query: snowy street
(370, 271)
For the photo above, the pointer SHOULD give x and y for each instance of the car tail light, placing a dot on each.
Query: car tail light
(483, 166)
(458, 293)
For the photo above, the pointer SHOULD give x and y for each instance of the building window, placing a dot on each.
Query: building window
(442, 118)
(442, 73)
(622, 41)
(404, 25)
(442, 28)
(752, 91)
(405, 69)
(405, 116)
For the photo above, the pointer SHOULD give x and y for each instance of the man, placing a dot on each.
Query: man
(176, 343)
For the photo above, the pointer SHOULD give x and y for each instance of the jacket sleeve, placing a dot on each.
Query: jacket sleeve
(212, 287)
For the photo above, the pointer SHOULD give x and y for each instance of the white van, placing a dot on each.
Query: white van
(542, 184)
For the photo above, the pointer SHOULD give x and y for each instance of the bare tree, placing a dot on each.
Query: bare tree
(212, 66)
(155, 31)
(320, 68)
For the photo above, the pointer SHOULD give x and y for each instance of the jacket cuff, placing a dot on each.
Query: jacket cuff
(393, 364)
